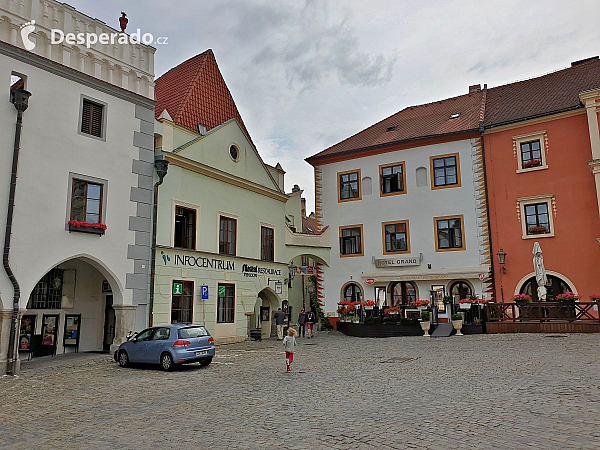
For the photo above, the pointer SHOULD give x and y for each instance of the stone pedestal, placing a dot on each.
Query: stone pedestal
(124, 323)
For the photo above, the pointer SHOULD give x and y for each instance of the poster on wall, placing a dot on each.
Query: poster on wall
(71, 335)
(264, 313)
(27, 330)
(49, 330)
(278, 287)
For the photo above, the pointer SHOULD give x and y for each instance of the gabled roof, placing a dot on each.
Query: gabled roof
(552, 93)
(195, 93)
(416, 122)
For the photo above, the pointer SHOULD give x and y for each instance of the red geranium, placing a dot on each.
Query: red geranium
(78, 224)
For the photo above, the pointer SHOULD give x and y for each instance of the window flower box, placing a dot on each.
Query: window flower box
(532, 163)
(538, 230)
(85, 227)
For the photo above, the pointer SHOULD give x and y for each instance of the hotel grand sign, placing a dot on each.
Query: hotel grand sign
(399, 261)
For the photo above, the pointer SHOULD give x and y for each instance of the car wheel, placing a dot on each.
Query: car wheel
(166, 362)
(123, 358)
(205, 362)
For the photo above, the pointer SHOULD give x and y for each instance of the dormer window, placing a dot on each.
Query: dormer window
(392, 128)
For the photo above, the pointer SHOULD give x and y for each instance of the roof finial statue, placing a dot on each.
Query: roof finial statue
(123, 20)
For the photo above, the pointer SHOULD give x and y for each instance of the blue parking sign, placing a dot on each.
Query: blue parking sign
(204, 292)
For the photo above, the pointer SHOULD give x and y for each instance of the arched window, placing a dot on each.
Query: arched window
(554, 287)
(403, 293)
(460, 290)
(353, 293)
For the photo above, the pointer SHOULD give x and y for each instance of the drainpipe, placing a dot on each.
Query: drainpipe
(19, 99)
(487, 212)
(161, 165)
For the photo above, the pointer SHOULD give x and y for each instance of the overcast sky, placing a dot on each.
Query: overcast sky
(307, 74)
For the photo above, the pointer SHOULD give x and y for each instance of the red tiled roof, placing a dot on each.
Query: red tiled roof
(309, 225)
(416, 122)
(195, 93)
(557, 91)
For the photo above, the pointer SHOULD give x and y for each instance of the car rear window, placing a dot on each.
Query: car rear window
(192, 332)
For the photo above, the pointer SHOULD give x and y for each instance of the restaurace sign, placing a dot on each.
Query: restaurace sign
(398, 262)
(254, 271)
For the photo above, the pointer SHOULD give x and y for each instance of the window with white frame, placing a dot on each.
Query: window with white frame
(530, 151)
(535, 214)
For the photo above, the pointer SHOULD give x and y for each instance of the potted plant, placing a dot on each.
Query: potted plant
(521, 299)
(448, 300)
(457, 323)
(391, 311)
(595, 297)
(567, 299)
(421, 304)
(465, 303)
(369, 304)
(425, 322)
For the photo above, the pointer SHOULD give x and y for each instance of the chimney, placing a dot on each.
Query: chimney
(303, 206)
(474, 88)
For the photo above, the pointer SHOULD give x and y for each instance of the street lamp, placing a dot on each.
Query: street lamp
(502, 259)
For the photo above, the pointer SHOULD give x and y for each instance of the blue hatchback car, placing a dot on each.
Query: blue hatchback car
(168, 345)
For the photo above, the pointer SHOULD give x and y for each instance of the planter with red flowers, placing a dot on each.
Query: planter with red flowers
(538, 230)
(465, 303)
(522, 299)
(567, 299)
(421, 304)
(595, 297)
(368, 304)
(86, 227)
(532, 163)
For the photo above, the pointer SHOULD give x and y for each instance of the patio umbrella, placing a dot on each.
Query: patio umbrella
(540, 271)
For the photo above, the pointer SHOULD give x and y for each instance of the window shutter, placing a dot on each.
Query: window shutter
(91, 118)
(96, 120)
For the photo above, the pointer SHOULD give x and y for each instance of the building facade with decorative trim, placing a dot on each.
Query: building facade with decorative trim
(542, 151)
(227, 232)
(405, 202)
(79, 245)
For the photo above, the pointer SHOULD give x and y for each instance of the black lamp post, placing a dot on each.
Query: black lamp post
(502, 259)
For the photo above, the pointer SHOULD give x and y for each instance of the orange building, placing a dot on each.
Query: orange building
(542, 155)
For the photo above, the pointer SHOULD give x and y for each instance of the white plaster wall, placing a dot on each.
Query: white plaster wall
(419, 206)
(50, 149)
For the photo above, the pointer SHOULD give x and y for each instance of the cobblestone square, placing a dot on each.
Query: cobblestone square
(486, 391)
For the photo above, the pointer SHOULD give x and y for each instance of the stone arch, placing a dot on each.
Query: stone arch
(523, 280)
(266, 298)
(347, 285)
(110, 276)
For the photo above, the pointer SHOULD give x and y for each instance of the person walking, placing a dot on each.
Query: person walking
(302, 323)
(289, 343)
(311, 318)
(279, 321)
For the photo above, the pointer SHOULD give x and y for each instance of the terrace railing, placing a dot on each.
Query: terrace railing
(547, 312)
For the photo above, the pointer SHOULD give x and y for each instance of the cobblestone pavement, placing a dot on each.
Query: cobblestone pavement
(487, 391)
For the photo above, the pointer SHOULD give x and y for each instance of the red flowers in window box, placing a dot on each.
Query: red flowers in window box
(466, 300)
(538, 230)
(78, 224)
(532, 163)
(368, 303)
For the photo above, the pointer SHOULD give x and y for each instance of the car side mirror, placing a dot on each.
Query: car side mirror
(134, 340)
